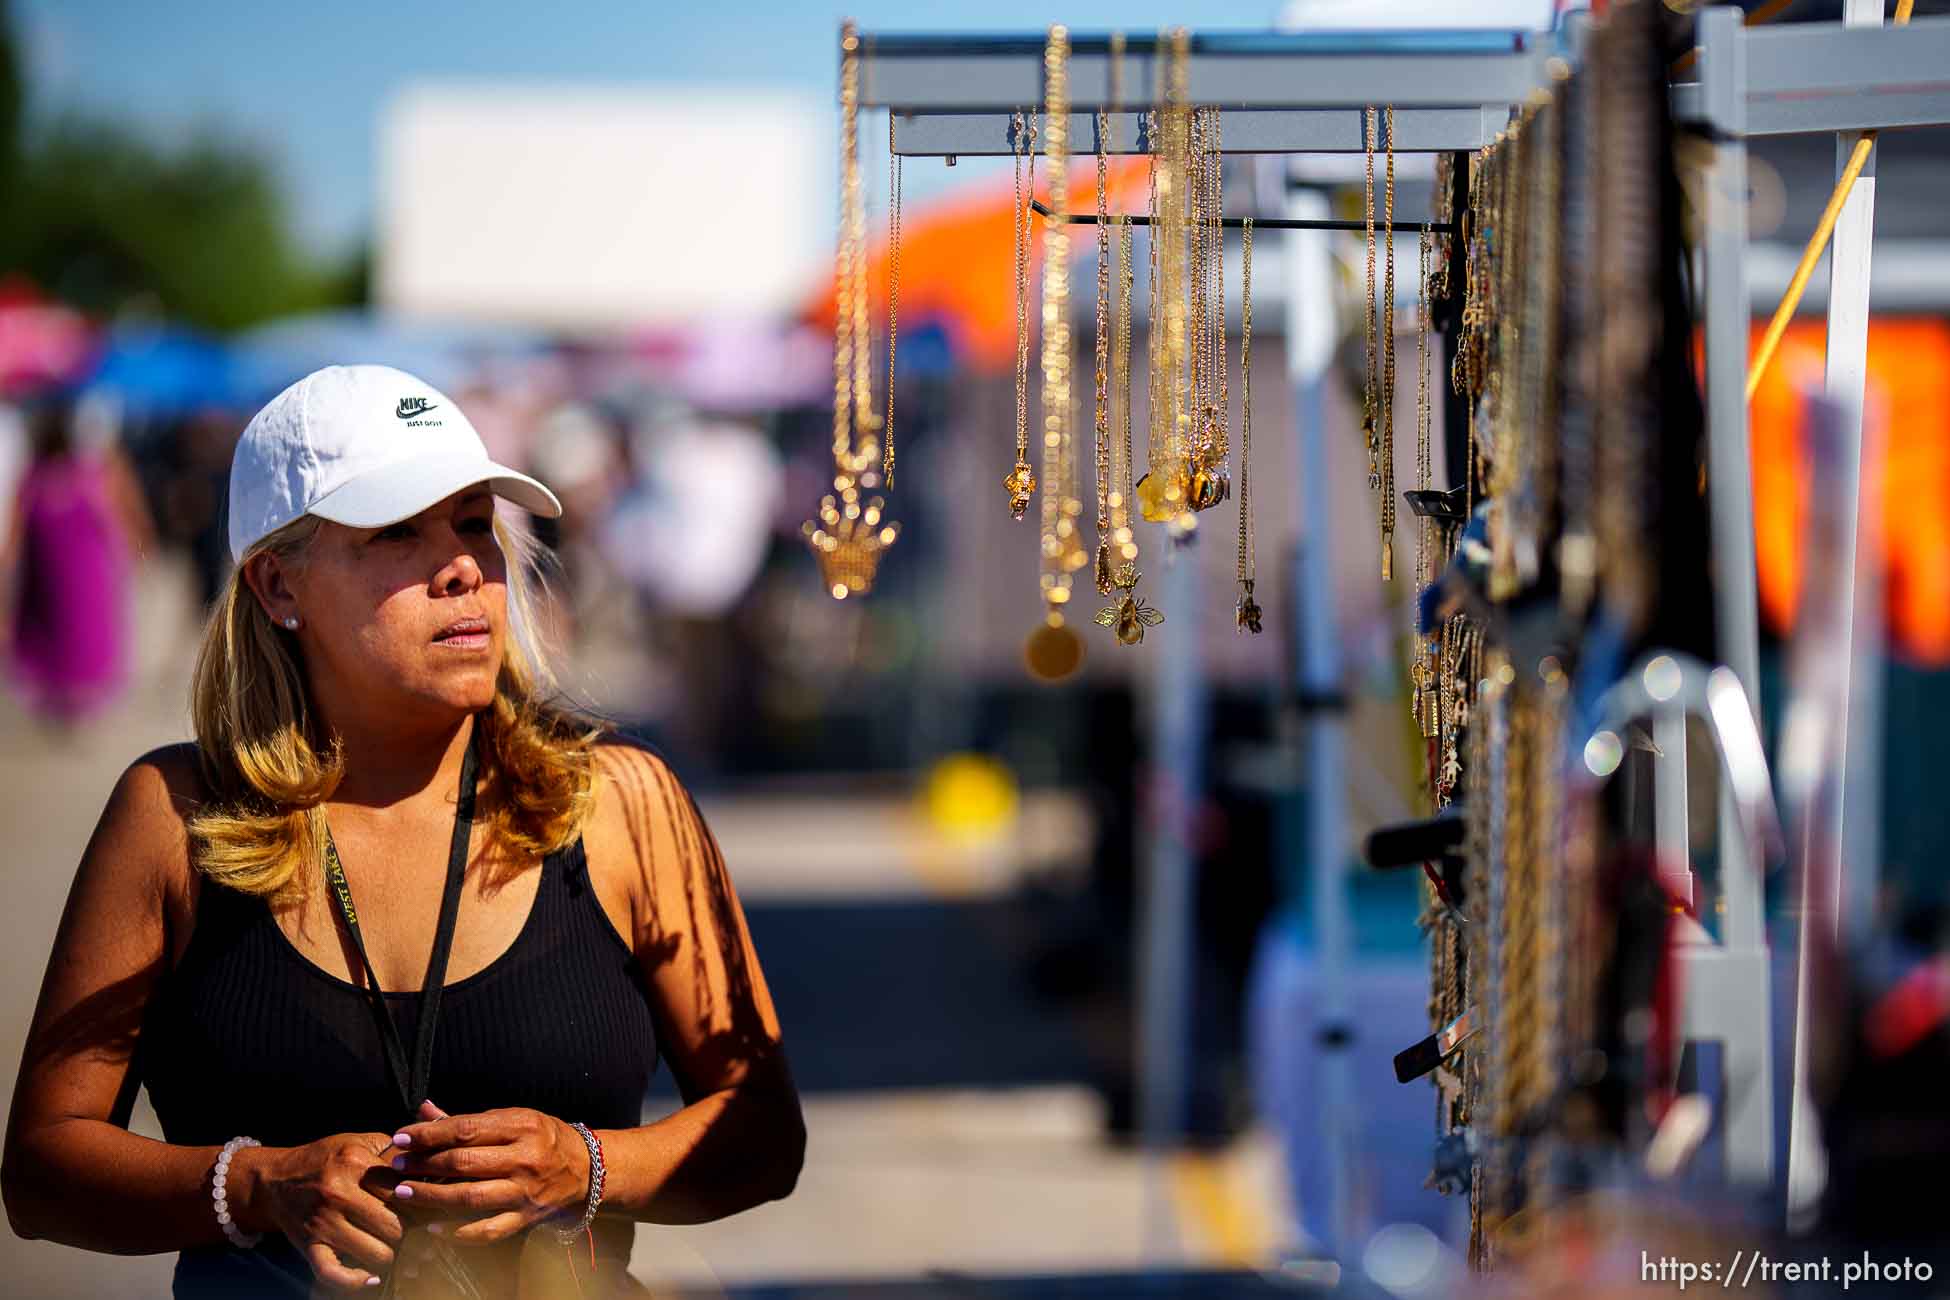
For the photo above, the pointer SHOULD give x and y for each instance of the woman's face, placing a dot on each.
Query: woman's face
(403, 617)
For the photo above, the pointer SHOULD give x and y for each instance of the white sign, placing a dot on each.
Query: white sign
(593, 210)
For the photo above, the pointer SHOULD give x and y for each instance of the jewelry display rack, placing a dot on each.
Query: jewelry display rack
(1307, 92)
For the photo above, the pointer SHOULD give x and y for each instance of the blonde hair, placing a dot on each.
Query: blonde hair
(270, 769)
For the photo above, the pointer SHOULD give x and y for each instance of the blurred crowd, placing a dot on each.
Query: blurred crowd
(115, 450)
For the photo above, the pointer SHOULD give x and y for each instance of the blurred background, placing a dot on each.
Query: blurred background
(607, 230)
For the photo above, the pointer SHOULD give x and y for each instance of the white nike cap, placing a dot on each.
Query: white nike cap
(364, 446)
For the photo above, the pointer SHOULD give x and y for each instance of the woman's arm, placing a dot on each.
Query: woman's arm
(72, 1172)
(740, 1139)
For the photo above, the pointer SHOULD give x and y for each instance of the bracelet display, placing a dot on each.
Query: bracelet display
(595, 1145)
(219, 1194)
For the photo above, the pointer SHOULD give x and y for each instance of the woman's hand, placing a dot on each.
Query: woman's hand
(324, 1197)
(514, 1168)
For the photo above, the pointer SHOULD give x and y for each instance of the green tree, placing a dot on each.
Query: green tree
(102, 217)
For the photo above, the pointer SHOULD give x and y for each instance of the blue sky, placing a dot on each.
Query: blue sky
(306, 82)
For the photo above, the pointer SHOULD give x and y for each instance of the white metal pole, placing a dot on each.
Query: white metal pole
(1821, 866)
(1723, 78)
(1847, 379)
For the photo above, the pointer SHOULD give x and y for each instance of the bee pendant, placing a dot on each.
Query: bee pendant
(1128, 618)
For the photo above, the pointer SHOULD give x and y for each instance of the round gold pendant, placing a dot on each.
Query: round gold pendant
(1052, 651)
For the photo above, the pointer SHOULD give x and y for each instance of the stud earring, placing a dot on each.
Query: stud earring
(292, 622)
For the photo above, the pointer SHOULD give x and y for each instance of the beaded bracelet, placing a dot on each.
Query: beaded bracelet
(220, 1196)
(595, 1145)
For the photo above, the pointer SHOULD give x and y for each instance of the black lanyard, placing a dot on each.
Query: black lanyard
(412, 1084)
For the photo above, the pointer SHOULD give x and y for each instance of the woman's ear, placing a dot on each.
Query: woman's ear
(264, 573)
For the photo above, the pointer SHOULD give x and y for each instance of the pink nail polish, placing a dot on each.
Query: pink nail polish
(402, 1140)
(437, 1228)
(372, 1281)
(399, 1162)
(404, 1192)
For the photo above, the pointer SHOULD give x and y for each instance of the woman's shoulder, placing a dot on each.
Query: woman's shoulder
(635, 780)
(165, 785)
(642, 806)
(141, 846)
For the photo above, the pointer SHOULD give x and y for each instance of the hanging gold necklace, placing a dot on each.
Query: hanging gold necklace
(849, 536)
(1129, 614)
(1211, 482)
(1163, 490)
(1020, 483)
(1426, 669)
(1246, 614)
(1053, 651)
(1106, 578)
(1370, 414)
(1388, 372)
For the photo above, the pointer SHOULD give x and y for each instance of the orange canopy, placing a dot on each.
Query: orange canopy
(958, 260)
(1908, 413)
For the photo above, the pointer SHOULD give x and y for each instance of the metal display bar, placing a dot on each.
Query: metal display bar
(1327, 130)
(1818, 77)
(1259, 223)
(1415, 69)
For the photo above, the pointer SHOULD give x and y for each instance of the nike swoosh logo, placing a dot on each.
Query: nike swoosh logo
(412, 406)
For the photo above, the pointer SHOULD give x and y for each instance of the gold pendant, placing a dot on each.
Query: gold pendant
(1210, 486)
(1128, 618)
(1246, 615)
(1021, 485)
(1053, 651)
(1106, 580)
(848, 539)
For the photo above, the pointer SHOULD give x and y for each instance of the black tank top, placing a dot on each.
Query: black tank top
(248, 1036)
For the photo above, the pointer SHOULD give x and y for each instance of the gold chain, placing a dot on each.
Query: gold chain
(843, 258)
(1154, 336)
(1424, 454)
(1128, 614)
(848, 534)
(1162, 492)
(1427, 667)
(1105, 578)
(865, 418)
(1020, 482)
(1246, 557)
(893, 294)
(1058, 523)
(1247, 614)
(1121, 369)
(1053, 651)
(1219, 274)
(1369, 399)
(1195, 197)
(1388, 372)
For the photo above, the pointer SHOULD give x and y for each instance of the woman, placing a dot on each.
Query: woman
(77, 523)
(371, 727)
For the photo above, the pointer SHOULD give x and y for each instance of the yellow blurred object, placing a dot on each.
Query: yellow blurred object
(1160, 500)
(969, 795)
